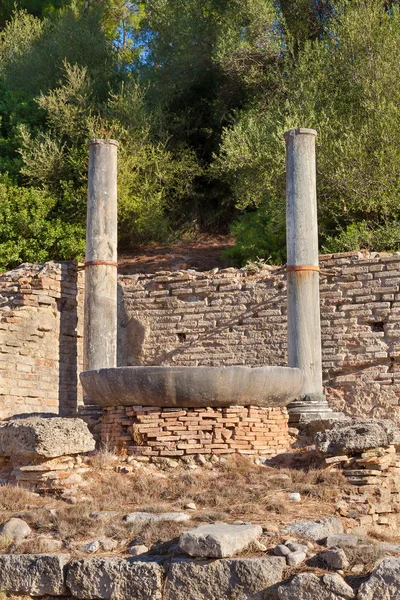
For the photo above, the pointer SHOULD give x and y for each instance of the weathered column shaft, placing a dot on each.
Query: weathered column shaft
(304, 327)
(100, 335)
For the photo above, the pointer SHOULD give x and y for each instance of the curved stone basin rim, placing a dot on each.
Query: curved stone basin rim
(179, 386)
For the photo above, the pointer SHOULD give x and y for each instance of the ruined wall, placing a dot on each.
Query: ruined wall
(219, 317)
(40, 339)
(231, 316)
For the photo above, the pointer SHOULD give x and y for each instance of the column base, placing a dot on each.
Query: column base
(312, 407)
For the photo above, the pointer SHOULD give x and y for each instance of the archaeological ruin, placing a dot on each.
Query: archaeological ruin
(161, 378)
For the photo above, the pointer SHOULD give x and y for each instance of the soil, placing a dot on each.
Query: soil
(201, 254)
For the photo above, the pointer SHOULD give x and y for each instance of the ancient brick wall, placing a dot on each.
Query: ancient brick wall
(232, 316)
(154, 431)
(223, 317)
(40, 339)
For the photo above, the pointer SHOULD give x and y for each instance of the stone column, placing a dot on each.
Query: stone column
(100, 335)
(304, 327)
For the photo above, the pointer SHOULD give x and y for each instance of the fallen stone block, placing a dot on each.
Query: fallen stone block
(116, 578)
(45, 437)
(307, 586)
(383, 583)
(247, 578)
(141, 518)
(218, 540)
(361, 435)
(33, 574)
(341, 540)
(315, 530)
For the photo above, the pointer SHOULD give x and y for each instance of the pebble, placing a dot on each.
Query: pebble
(294, 496)
(91, 547)
(281, 550)
(295, 558)
(137, 550)
(294, 547)
(190, 506)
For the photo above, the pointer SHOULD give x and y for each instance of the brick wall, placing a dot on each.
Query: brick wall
(40, 339)
(231, 316)
(154, 431)
(220, 317)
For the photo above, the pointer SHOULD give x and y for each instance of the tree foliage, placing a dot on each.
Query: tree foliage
(199, 95)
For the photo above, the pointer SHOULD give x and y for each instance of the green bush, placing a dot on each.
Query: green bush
(29, 232)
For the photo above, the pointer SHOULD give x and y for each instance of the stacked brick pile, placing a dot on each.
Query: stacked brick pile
(373, 496)
(40, 341)
(152, 431)
(46, 476)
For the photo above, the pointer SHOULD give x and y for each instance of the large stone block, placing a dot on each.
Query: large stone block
(45, 437)
(316, 530)
(218, 540)
(244, 578)
(357, 437)
(307, 586)
(116, 578)
(33, 574)
(384, 582)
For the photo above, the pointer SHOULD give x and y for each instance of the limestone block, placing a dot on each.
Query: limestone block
(33, 574)
(357, 437)
(384, 581)
(218, 540)
(116, 578)
(45, 437)
(247, 578)
(141, 518)
(307, 586)
(315, 530)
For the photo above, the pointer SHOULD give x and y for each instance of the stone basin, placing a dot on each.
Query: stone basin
(175, 386)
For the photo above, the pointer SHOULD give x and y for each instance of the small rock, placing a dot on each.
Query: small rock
(335, 558)
(15, 529)
(108, 545)
(138, 550)
(214, 459)
(101, 515)
(281, 550)
(296, 558)
(279, 478)
(336, 584)
(190, 506)
(294, 496)
(294, 547)
(201, 459)
(91, 547)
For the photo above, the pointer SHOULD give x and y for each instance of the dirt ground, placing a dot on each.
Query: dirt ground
(202, 254)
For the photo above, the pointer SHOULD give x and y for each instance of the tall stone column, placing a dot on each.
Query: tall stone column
(100, 327)
(304, 327)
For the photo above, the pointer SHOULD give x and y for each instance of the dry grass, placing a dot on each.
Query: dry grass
(16, 498)
(236, 490)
